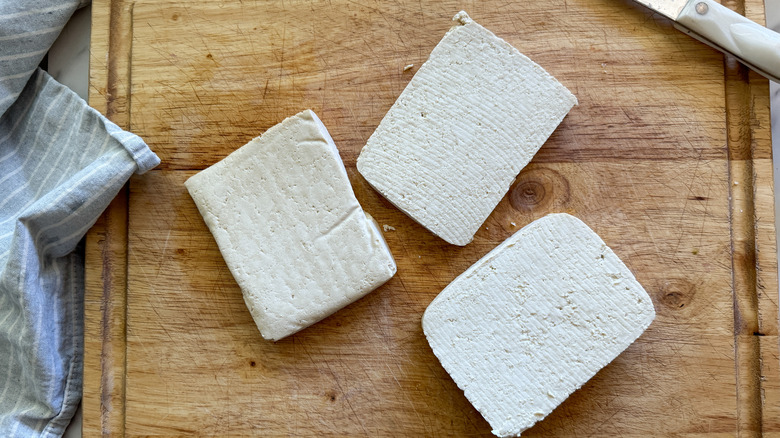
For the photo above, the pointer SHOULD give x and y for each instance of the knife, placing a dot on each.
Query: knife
(721, 28)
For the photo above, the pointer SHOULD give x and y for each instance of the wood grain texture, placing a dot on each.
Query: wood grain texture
(667, 157)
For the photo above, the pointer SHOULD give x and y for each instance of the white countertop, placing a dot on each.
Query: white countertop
(68, 62)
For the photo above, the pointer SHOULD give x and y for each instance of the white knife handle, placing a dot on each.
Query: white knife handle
(720, 27)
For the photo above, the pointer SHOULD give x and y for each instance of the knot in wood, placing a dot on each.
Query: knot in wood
(539, 188)
(676, 294)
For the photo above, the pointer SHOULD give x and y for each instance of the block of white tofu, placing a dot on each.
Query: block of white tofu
(289, 227)
(472, 117)
(534, 319)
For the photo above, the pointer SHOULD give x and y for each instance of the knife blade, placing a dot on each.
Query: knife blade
(723, 29)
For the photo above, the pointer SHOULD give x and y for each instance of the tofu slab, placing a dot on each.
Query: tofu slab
(472, 117)
(289, 227)
(535, 319)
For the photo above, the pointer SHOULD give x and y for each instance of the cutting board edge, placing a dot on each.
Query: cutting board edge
(106, 289)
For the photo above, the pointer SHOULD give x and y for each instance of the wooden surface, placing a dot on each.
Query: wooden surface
(667, 157)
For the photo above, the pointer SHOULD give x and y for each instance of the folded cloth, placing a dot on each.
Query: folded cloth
(28, 28)
(61, 163)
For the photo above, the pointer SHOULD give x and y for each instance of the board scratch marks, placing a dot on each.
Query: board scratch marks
(281, 58)
(422, 23)
(409, 401)
(346, 397)
(706, 215)
(689, 184)
(605, 423)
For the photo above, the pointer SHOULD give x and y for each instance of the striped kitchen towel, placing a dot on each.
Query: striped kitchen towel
(61, 163)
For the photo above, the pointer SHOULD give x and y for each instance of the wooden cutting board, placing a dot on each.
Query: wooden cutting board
(667, 157)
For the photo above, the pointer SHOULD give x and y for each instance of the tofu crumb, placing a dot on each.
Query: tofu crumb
(388, 227)
(408, 67)
(462, 18)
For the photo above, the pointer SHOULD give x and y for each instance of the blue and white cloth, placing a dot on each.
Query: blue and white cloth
(61, 163)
